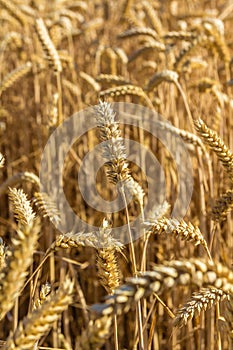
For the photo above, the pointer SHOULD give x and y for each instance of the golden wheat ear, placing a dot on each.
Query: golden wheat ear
(21, 253)
(211, 139)
(41, 319)
(200, 301)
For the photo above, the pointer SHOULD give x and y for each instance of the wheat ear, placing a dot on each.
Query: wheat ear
(40, 320)
(48, 45)
(46, 206)
(15, 76)
(212, 139)
(13, 10)
(108, 270)
(200, 301)
(222, 206)
(18, 179)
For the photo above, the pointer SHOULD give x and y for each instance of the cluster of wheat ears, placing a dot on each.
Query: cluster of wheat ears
(172, 288)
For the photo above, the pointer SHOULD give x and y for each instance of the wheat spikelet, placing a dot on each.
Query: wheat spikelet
(40, 320)
(48, 45)
(108, 270)
(13, 10)
(17, 179)
(148, 47)
(200, 301)
(21, 257)
(212, 139)
(15, 76)
(138, 31)
(222, 206)
(47, 207)
(21, 206)
(95, 336)
(163, 278)
(168, 76)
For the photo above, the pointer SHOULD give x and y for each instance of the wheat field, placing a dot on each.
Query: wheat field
(171, 287)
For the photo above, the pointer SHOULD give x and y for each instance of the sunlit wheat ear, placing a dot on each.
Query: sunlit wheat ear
(21, 207)
(95, 336)
(212, 139)
(112, 79)
(21, 253)
(13, 10)
(199, 301)
(14, 76)
(108, 270)
(48, 45)
(46, 207)
(114, 151)
(222, 206)
(178, 228)
(40, 320)
(163, 278)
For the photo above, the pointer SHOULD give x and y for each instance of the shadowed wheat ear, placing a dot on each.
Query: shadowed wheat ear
(108, 270)
(200, 301)
(95, 336)
(222, 206)
(48, 45)
(171, 274)
(41, 319)
(166, 75)
(211, 139)
(21, 257)
(138, 31)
